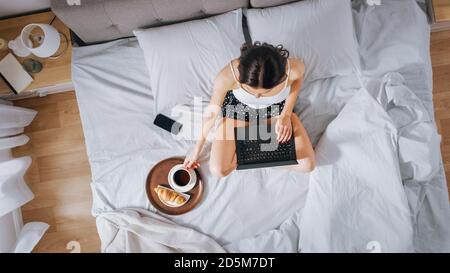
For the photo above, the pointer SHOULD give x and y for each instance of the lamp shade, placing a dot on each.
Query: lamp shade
(48, 45)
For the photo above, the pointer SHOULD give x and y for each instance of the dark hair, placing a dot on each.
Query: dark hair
(262, 65)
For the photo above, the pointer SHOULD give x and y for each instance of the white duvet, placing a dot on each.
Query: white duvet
(356, 195)
(356, 200)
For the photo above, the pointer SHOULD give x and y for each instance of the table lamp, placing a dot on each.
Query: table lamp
(42, 45)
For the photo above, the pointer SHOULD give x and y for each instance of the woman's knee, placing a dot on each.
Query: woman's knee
(219, 170)
(305, 153)
(307, 164)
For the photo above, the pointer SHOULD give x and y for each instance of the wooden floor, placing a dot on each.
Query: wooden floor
(440, 58)
(441, 10)
(60, 174)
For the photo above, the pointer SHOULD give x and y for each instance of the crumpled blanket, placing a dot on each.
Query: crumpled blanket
(138, 230)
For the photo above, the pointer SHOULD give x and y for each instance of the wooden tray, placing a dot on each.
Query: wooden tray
(158, 176)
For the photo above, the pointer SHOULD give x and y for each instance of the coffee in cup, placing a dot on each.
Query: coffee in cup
(181, 179)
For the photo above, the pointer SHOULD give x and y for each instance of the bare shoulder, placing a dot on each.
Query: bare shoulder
(297, 68)
(225, 79)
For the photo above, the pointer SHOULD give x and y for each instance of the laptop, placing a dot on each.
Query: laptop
(257, 147)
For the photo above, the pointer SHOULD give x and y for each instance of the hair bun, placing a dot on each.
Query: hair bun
(262, 64)
(279, 48)
(283, 52)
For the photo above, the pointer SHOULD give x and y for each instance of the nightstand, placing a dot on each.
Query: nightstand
(55, 75)
(441, 15)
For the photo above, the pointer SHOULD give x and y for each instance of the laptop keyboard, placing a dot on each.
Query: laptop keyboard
(254, 152)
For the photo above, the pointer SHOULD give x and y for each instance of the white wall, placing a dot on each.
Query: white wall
(13, 7)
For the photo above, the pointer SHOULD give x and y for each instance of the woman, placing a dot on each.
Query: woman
(262, 80)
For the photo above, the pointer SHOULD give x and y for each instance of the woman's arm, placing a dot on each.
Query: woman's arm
(292, 98)
(284, 126)
(222, 84)
(296, 75)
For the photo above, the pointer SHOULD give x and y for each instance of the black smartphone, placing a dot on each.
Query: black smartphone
(167, 124)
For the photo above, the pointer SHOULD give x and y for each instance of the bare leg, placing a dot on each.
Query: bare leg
(303, 147)
(223, 150)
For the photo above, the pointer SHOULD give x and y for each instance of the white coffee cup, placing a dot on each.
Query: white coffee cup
(181, 179)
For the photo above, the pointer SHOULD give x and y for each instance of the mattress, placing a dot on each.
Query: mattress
(115, 102)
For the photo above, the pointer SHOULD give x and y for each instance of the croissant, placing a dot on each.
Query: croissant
(169, 196)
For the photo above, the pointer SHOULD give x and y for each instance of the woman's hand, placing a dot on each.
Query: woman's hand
(283, 128)
(191, 160)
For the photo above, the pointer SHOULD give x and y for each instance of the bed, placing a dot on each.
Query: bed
(379, 184)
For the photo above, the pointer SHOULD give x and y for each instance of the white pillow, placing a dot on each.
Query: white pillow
(392, 36)
(183, 59)
(320, 32)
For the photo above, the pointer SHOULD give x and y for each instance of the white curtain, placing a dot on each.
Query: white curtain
(14, 192)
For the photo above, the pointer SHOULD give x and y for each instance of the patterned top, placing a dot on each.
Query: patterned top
(241, 105)
(235, 109)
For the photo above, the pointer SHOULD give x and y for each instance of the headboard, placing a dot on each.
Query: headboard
(104, 20)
